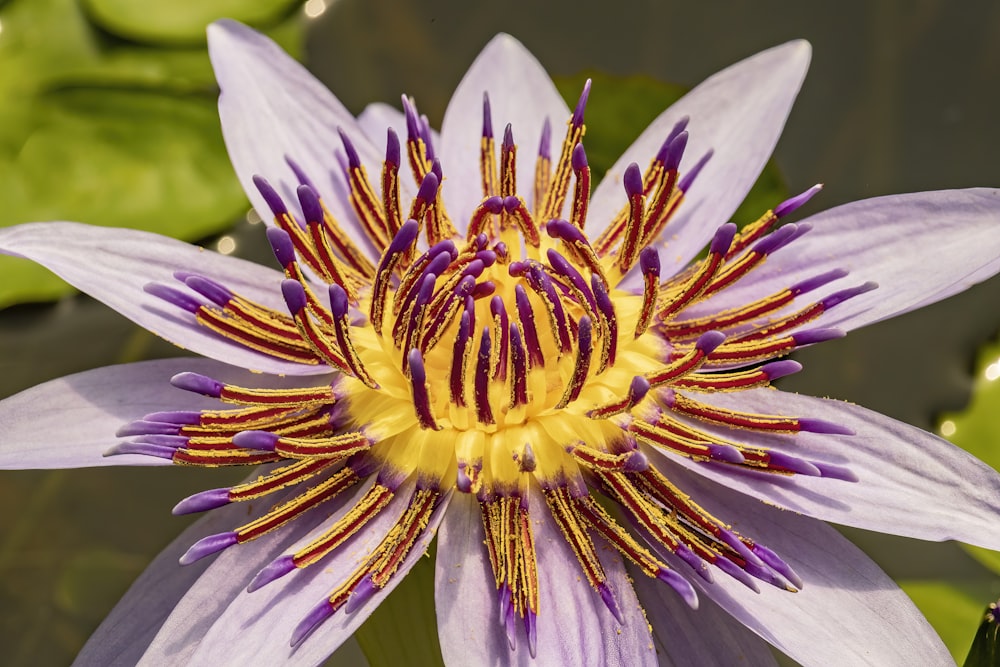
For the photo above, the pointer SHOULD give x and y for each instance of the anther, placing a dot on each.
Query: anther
(793, 203)
(418, 387)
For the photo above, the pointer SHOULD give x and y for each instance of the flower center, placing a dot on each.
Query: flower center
(521, 362)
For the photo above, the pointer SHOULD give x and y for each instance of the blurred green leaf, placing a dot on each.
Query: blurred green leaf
(977, 428)
(179, 21)
(106, 132)
(985, 649)
(953, 609)
(619, 109)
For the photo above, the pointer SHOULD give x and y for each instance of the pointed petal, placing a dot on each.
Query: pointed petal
(848, 612)
(112, 265)
(70, 422)
(707, 636)
(272, 107)
(522, 94)
(226, 577)
(255, 628)
(574, 626)
(900, 467)
(919, 248)
(127, 631)
(739, 114)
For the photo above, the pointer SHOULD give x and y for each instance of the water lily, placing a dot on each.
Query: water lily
(463, 342)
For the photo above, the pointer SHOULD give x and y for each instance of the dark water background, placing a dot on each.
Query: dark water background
(901, 96)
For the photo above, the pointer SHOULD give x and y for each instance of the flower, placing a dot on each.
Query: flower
(469, 344)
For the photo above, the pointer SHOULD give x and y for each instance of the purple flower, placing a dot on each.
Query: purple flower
(464, 342)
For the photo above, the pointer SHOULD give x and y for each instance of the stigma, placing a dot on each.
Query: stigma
(503, 357)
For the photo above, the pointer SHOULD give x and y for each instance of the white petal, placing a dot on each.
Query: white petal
(272, 108)
(919, 248)
(574, 626)
(739, 114)
(112, 265)
(522, 94)
(911, 482)
(70, 422)
(848, 612)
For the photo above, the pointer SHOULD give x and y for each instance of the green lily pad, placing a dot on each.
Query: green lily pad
(954, 610)
(105, 132)
(179, 21)
(621, 107)
(977, 428)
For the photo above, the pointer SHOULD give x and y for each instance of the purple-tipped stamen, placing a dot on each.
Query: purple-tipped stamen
(773, 561)
(780, 369)
(545, 142)
(699, 566)
(273, 571)
(722, 239)
(793, 203)
(353, 161)
(792, 464)
(264, 441)
(428, 137)
(312, 209)
(271, 196)
(412, 122)
(636, 462)
(675, 151)
(737, 573)
(142, 427)
(632, 180)
(173, 296)
(184, 417)
(579, 158)
(680, 585)
(428, 187)
(300, 175)
(281, 245)
(338, 301)
(608, 597)
(209, 289)
(294, 294)
(725, 453)
(203, 501)
(363, 591)
(142, 448)
(688, 178)
(160, 440)
(581, 104)
(197, 383)
(508, 138)
(843, 295)
(815, 282)
(531, 630)
(708, 341)
(822, 426)
(649, 261)
(487, 117)
(207, 546)
(679, 126)
(836, 472)
(312, 620)
(812, 336)
(392, 147)
(775, 240)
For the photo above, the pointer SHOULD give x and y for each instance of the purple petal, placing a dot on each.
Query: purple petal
(899, 468)
(707, 637)
(70, 422)
(113, 266)
(255, 628)
(574, 626)
(848, 612)
(919, 248)
(739, 113)
(521, 94)
(272, 107)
